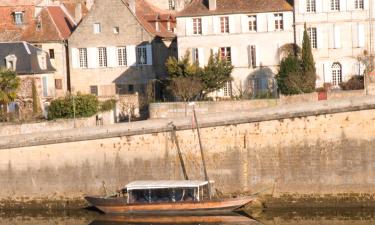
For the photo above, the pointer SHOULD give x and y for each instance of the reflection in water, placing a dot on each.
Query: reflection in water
(275, 217)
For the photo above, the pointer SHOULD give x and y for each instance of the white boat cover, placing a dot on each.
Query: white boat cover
(162, 184)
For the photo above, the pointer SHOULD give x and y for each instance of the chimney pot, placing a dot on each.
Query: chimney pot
(212, 5)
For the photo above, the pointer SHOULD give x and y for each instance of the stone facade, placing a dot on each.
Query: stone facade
(254, 50)
(170, 4)
(340, 33)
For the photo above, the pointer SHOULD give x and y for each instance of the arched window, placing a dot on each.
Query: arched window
(336, 74)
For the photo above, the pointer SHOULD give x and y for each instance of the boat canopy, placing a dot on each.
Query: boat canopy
(163, 184)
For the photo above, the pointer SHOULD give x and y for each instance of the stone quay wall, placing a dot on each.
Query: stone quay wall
(181, 109)
(321, 149)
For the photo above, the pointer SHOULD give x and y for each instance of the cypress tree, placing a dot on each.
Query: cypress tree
(308, 64)
(35, 97)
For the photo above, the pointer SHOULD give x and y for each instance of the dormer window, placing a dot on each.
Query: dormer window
(97, 28)
(157, 26)
(10, 62)
(42, 60)
(18, 18)
(39, 24)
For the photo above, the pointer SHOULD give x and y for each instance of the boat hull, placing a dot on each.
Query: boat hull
(118, 205)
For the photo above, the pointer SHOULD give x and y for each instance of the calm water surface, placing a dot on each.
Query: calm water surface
(268, 217)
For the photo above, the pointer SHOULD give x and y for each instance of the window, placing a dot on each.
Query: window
(228, 89)
(94, 90)
(224, 24)
(225, 54)
(18, 18)
(169, 28)
(313, 36)
(116, 30)
(121, 56)
(42, 60)
(359, 4)
(171, 4)
(252, 23)
(141, 55)
(131, 88)
(336, 74)
(58, 84)
(39, 24)
(11, 61)
(197, 26)
(311, 6)
(45, 86)
(82, 57)
(157, 26)
(195, 55)
(279, 22)
(102, 56)
(97, 28)
(335, 5)
(51, 53)
(253, 56)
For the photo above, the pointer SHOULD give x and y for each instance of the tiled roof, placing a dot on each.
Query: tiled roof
(148, 15)
(200, 7)
(56, 25)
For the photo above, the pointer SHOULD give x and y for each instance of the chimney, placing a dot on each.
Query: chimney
(212, 5)
(131, 4)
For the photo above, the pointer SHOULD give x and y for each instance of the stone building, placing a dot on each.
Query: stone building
(174, 5)
(120, 46)
(46, 26)
(247, 33)
(340, 33)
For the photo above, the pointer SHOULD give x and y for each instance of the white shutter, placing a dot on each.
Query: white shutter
(320, 37)
(270, 22)
(337, 33)
(288, 21)
(361, 35)
(149, 54)
(257, 57)
(189, 26)
(327, 74)
(366, 4)
(345, 71)
(215, 50)
(234, 55)
(204, 25)
(112, 56)
(302, 6)
(249, 56)
(201, 57)
(262, 22)
(319, 6)
(244, 23)
(342, 5)
(232, 24)
(131, 55)
(92, 57)
(216, 24)
(301, 31)
(75, 58)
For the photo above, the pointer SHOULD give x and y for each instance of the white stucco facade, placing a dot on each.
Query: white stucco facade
(253, 52)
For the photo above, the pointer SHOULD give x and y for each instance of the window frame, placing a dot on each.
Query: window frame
(121, 56)
(224, 24)
(197, 26)
(252, 23)
(102, 57)
(19, 18)
(97, 28)
(279, 21)
(141, 50)
(335, 5)
(311, 6)
(226, 53)
(359, 4)
(82, 55)
(313, 36)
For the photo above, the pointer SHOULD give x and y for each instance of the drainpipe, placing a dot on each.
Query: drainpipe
(294, 30)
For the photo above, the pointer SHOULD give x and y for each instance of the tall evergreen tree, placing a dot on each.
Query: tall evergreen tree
(9, 84)
(308, 64)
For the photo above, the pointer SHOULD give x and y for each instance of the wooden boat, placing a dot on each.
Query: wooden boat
(194, 219)
(170, 197)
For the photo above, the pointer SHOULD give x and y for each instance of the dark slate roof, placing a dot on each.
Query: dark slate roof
(200, 7)
(27, 58)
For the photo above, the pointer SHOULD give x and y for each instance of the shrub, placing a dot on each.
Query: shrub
(107, 105)
(85, 106)
(355, 83)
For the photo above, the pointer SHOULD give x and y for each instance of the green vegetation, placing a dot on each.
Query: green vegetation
(354, 83)
(297, 74)
(84, 105)
(188, 81)
(34, 92)
(107, 105)
(9, 84)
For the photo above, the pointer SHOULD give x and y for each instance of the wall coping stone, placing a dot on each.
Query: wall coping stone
(161, 125)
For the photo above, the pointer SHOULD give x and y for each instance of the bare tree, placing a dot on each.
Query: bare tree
(186, 88)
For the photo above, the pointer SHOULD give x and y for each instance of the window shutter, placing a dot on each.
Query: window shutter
(327, 75)
(302, 30)
(244, 23)
(112, 56)
(343, 5)
(149, 54)
(261, 22)
(131, 55)
(234, 55)
(232, 24)
(204, 25)
(288, 21)
(75, 58)
(302, 6)
(92, 57)
(344, 70)
(270, 22)
(189, 26)
(366, 4)
(257, 57)
(201, 57)
(361, 35)
(249, 56)
(319, 6)
(337, 32)
(216, 24)
(320, 37)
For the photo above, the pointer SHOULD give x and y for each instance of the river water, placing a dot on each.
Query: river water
(285, 216)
